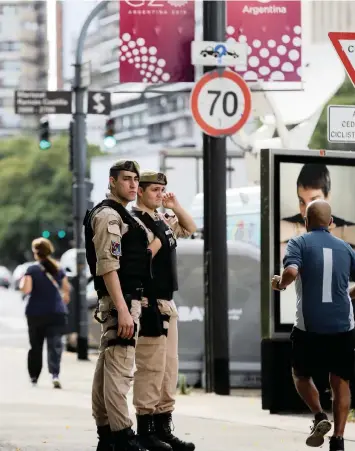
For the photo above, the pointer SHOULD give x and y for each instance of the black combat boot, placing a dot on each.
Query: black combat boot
(105, 438)
(147, 435)
(126, 440)
(163, 422)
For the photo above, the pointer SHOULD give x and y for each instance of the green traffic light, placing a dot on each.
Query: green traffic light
(44, 144)
(61, 234)
(46, 234)
(109, 141)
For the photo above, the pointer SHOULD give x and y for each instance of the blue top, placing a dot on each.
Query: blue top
(324, 263)
(45, 298)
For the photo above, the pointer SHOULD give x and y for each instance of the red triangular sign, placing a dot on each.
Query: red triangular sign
(344, 44)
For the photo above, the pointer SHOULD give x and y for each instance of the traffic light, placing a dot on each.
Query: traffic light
(44, 134)
(109, 139)
(46, 234)
(62, 234)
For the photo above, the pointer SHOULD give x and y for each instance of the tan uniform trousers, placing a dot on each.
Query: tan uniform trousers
(114, 373)
(157, 364)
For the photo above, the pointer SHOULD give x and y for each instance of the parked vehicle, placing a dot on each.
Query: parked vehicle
(5, 277)
(19, 273)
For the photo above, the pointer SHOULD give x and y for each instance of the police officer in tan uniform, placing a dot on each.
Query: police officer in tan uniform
(119, 258)
(155, 379)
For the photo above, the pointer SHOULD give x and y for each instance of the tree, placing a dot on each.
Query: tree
(345, 96)
(35, 195)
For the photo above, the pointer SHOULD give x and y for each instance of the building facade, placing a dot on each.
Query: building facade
(330, 15)
(23, 59)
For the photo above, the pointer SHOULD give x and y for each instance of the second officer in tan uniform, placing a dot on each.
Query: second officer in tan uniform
(119, 260)
(155, 380)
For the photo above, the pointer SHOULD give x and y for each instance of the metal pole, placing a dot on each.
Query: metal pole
(197, 172)
(79, 187)
(215, 233)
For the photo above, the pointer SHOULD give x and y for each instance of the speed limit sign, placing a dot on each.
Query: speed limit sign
(220, 103)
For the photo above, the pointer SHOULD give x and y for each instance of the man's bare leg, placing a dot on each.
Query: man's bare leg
(308, 392)
(310, 395)
(341, 408)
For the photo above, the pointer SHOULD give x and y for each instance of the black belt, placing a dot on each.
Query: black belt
(164, 296)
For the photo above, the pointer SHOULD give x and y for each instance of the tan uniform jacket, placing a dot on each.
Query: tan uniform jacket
(108, 229)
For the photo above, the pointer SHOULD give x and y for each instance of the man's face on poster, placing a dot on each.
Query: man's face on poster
(307, 195)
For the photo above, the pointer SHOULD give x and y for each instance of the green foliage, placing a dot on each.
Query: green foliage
(345, 96)
(182, 385)
(35, 195)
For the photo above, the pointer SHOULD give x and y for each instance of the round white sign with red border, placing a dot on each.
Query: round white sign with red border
(220, 103)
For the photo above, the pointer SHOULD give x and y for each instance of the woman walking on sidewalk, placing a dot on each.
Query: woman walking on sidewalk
(48, 291)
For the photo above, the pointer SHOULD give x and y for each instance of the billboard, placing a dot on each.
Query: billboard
(296, 180)
(272, 30)
(155, 41)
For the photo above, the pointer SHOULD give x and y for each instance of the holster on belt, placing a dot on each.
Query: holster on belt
(97, 314)
(99, 319)
(152, 320)
(119, 340)
(114, 314)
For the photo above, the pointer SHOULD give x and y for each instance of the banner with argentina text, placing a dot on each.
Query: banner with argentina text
(272, 30)
(155, 41)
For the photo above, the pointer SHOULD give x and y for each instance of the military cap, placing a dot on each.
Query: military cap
(125, 165)
(153, 177)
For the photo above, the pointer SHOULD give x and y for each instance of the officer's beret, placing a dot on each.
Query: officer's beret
(153, 177)
(125, 165)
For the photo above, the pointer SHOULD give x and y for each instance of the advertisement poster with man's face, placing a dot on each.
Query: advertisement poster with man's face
(300, 184)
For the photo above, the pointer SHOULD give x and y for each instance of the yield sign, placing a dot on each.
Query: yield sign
(344, 44)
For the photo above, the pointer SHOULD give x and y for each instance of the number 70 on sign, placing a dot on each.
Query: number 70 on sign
(220, 103)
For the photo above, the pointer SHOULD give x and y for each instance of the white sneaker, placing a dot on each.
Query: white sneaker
(56, 382)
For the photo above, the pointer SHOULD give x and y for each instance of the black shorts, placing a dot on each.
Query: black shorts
(312, 353)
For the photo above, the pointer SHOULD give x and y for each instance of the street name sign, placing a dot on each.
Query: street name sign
(43, 102)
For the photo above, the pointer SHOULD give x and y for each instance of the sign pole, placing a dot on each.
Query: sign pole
(79, 187)
(215, 233)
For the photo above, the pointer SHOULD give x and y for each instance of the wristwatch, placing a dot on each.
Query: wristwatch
(278, 286)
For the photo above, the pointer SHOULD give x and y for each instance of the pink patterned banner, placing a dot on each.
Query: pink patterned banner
(272, 30)
(155, 41)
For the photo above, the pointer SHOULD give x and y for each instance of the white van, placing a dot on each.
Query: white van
(243, 214)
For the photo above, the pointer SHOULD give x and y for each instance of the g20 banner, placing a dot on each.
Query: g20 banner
(272, 30)
(155, 41)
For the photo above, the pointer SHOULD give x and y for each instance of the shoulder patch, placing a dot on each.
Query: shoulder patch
(115, 248)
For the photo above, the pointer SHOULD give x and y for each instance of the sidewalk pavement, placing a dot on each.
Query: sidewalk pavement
(41, 418)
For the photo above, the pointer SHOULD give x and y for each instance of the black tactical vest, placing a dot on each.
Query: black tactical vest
(164, 265)
(135, 259)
